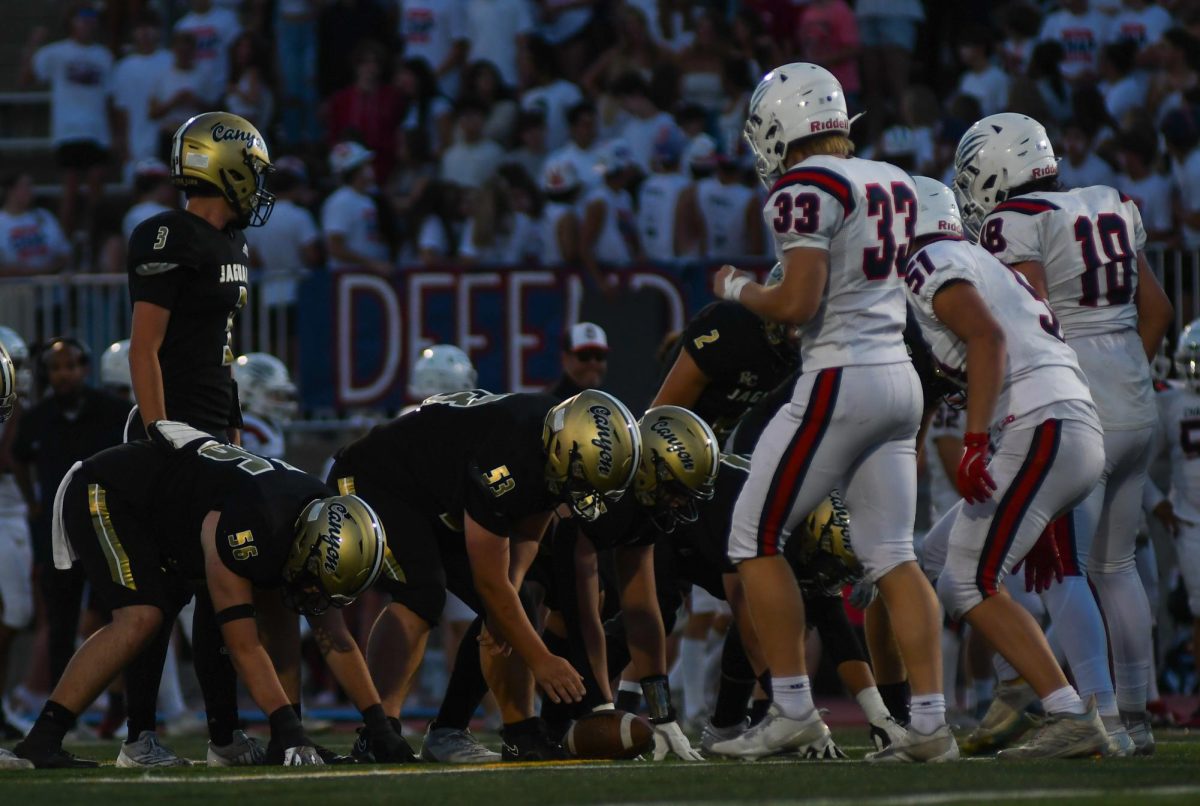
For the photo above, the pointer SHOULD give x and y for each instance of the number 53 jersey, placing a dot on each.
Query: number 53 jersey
(863, 213)
(1087, 240)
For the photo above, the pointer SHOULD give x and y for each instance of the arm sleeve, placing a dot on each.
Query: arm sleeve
(1012, 237)
(802, 214)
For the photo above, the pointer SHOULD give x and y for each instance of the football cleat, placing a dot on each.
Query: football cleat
(54, 759)
(887, 732)
(148, 751)
(243, 751)
(1142, 737)
(452, 746)
(10, 761)
(915, 747)
(1119, 743)
(1064, 736)
(1006, 719)
(710, 734)
(367, 751)
(808, 737)
(531, 744)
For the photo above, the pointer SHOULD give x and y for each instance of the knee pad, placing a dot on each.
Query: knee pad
(958, 595)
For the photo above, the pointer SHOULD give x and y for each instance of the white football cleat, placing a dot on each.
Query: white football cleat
(916, 747)
(1064, 736)
(809, 736)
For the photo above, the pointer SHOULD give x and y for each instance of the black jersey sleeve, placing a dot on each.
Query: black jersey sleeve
(247, 542)
(161, 254)
(715, 338)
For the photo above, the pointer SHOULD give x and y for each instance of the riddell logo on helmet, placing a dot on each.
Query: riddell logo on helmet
(603, 438)
(220, 133)
(1041, 173)
(828, 125)
(949, 226)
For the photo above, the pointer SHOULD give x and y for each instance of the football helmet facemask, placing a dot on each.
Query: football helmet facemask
(441, 369)
(265, 386)
(226, 152)
(825, 560)
(593, 448)
(679, 464)
(997, 154)
(338, 554)
(1187, 356)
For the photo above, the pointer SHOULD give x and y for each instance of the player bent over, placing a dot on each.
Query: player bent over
(467, 484)
(1026, 392)
(842, 226)
(148, 520)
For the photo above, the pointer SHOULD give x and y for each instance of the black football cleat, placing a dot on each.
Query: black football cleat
(53, 759)
(530, 741)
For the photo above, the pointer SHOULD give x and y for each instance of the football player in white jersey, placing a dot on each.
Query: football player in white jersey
(1082, 251)
(268, 399)
(1026, 393)
(842, 227)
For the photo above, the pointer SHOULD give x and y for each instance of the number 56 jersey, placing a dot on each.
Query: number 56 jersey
(1087, 240)
(863, 213)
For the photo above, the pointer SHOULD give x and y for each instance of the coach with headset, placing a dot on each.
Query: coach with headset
(71, 422)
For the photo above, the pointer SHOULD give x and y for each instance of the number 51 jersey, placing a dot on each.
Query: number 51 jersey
(1088, 240)
(863, 213)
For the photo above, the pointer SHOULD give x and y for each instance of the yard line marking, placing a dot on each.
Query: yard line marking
(919, 799)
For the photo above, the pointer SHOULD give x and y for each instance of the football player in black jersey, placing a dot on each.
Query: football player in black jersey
(187, 282)
(466, 485)
(147, 521)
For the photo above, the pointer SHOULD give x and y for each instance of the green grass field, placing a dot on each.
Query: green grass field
(1170, 777)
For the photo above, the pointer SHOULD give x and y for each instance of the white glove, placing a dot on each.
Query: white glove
(302, 757)
(174, 435)
(729, 284)
(668, 738)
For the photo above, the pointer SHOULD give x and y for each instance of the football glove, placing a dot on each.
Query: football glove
(975, 483)
(669, 738)
(1043, 563)
(174, 436)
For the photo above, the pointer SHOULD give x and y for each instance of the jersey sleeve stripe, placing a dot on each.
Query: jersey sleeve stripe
(1026, 206)
(833, 184)
(150, 269)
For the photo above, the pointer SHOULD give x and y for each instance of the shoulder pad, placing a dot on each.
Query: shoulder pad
(821, 178)
(1025, 206)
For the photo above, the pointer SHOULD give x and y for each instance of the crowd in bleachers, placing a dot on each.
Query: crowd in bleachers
(586, 131)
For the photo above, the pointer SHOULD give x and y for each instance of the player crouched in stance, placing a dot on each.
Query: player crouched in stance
(1026, 392)
(148, 520)
(841, 226)
(467, 485)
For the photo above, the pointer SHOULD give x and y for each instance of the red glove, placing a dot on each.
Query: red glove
(1043, 563)
(975, 484)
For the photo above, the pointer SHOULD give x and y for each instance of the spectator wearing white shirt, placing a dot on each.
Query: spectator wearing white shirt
(662, 217)
(560, 215)
(1124, 92)
(647, 124)
(1080, 32)
(214, 29)
(982, 79)
(134, 80)
(179, 93)
(496, 29)
(500, 229)
(152, 186)
(545, 91)
(473, 159)
(31, 241)
(288, 246)
(79, 72)
(582, 149)
(608, 232)
(1142, 22)
(436, 32)
(349, 217)
(1079, 166)
(1150, 190)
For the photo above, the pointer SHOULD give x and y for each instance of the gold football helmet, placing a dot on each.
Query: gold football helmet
(821, 553)
(337, 554)
(8, 384)
(593, 448)
(680, 460)
(224, 151)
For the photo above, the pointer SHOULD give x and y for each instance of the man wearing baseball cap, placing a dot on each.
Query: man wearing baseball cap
(584, 360)
(349, 218)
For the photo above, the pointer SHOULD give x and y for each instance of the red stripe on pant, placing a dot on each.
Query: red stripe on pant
(795, 461)
(1011, 509)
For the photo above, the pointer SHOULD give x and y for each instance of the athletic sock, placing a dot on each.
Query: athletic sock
(215, 672)
(51, 726)
(736, 684)
(170, 692)
(466, 687)
(928, 712)
(793, 695)
(758, 710)
(895, 697)
(1127, 612)
(142, 677)
(1079, 630)
(1063, 701)
(629, 696)
(872, 704)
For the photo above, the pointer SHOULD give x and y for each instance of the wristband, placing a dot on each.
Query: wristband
(376, 720)
(733, 288)
(604, 706)
(657, 691)
(286, 728)
(235, 613)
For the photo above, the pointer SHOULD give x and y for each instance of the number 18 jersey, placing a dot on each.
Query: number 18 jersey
(863, 212)
(1088, 241)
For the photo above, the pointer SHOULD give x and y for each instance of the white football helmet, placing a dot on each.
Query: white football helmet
(8, 385)
(265, 387)
(997, 154)
(441, 369)
(791, 102)
(937, 212)
(1187, 356)
(18, 353)
(559, 176)
(114, 366)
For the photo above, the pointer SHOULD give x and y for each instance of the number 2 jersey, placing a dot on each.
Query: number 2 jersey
(180, 262)
(1040, 370)
(863, 213)
(1087, 240)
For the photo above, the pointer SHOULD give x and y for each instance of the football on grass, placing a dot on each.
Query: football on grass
(610, 735)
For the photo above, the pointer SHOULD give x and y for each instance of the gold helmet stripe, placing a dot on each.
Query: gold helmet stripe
(345, 485)
(110, 544)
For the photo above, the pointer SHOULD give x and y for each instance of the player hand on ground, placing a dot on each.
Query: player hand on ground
(1165, 512)
(975, 483)
(728, 282)
(558, 679)
(303, 756)
(1043, 563)
(669, 738)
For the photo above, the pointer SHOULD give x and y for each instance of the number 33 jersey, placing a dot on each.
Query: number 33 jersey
(180, 262)
(863, 213)
(1087, 240)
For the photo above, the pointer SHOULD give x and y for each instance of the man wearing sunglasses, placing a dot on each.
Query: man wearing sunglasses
(584, 360)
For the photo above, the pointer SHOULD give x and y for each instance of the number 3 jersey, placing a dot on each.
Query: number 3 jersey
(1087, 240)
(1180, 411)
(180, 262)
(863, 213)
(1040, 368)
